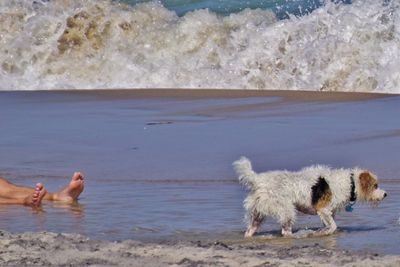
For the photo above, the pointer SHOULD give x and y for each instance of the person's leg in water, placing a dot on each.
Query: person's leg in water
(10, 193)
(71, 192)
(33, 199)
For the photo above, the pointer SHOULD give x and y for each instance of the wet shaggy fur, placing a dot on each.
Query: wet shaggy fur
(317, 190)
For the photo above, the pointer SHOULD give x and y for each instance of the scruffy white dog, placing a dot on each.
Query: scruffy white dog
(312, 190)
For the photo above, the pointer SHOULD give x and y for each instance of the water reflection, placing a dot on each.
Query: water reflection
(74, 209)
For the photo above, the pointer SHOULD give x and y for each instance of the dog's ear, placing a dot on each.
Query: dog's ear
(367, 182)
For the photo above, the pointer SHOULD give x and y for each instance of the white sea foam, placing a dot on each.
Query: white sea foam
(102, 44)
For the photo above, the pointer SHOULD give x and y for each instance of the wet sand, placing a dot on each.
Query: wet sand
(52, 249)
(310, 96)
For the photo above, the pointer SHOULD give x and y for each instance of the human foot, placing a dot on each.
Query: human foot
(72, 191)
(35, 199)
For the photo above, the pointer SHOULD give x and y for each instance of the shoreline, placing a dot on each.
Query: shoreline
(49, 249)
(289, 95)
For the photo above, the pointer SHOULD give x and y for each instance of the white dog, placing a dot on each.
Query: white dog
(312, 190)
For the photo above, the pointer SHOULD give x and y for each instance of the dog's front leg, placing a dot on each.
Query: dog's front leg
(326, 216)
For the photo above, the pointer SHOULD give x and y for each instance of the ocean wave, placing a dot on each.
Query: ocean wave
(67, 44)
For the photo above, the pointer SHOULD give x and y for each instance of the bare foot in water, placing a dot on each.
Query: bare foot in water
(35, 199)
(72, 191)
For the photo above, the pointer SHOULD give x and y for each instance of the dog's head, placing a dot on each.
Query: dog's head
(368, 189)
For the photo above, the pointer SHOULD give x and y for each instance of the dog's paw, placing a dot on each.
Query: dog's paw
(324, 232)
(304, 233)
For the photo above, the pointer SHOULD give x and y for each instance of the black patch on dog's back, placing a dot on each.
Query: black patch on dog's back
(319, 190)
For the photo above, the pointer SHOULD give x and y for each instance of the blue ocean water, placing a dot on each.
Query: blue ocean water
(280, 7)
(159, 168)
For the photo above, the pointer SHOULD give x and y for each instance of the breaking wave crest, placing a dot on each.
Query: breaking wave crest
(67, 44)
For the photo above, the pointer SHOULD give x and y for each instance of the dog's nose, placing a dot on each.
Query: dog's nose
(384, 195)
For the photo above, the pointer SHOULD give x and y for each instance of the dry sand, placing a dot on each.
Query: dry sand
(51, 249)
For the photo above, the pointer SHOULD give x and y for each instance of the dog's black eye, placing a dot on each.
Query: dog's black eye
(375, 186)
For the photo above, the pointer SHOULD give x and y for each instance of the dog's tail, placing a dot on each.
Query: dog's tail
(245, 172)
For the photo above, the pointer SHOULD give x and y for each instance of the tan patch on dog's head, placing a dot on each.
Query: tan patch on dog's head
(368, 185)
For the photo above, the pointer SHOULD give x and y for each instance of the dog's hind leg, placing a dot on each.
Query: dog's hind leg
(287, 228)
(286, 216)
(256, 220)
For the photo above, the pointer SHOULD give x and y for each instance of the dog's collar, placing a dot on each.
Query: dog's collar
(353, 196)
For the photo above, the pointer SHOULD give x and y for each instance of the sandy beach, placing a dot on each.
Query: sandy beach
(52, 249)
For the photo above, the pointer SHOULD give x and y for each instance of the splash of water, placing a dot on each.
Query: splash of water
(62, 44)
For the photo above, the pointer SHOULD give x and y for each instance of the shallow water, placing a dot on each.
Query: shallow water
(160, 168)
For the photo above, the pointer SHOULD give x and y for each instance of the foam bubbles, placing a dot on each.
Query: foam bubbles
(63, 44)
